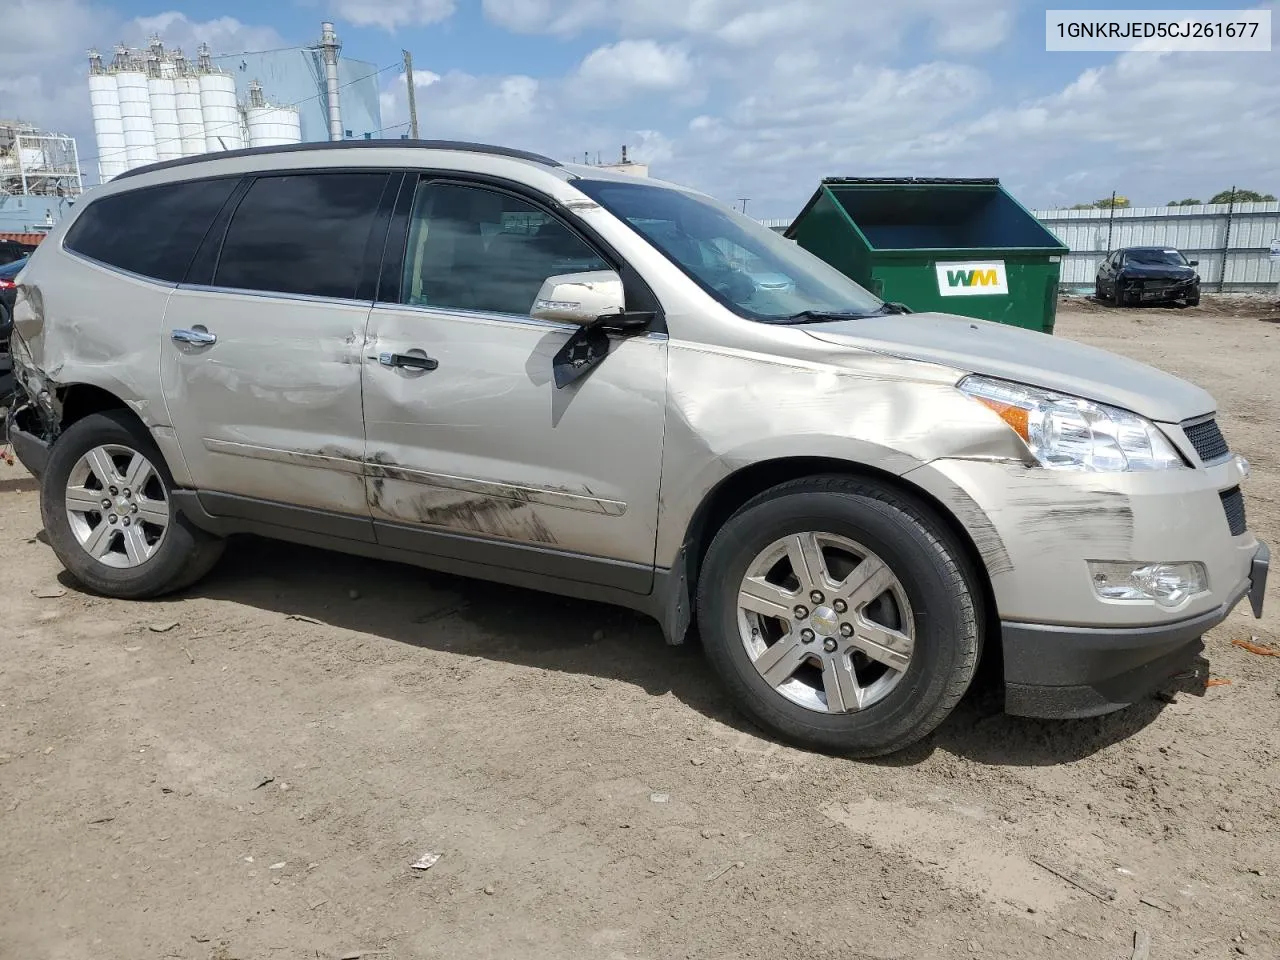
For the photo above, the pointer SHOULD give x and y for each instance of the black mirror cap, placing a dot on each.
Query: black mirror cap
(1193, 263)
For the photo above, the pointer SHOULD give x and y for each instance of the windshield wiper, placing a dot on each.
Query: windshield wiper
(822, 316)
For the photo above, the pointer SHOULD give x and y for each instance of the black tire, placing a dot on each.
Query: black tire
(1097, 291)
(1117, 296)
(184, 556)
(1193, 301)
(932, 568)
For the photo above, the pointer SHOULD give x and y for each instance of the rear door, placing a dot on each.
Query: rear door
(261, 355)
(478, 442)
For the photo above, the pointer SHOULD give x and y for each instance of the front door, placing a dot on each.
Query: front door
(476, 441)
(261, 368)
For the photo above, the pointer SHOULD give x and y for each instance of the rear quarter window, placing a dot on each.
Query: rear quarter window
(152, 231)
(301, 233)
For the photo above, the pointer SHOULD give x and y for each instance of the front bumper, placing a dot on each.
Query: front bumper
(1064, 672)
(1069, 652)
(1147, 290)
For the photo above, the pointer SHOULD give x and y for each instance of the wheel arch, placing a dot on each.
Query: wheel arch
(738, 488)
(77, 400)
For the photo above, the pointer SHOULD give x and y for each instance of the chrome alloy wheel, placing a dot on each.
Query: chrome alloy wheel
(826, 622)
(117, 506)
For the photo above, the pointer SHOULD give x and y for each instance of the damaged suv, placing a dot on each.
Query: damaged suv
(481, 361)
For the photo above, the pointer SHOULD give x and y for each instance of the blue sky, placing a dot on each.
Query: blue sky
(742, 98)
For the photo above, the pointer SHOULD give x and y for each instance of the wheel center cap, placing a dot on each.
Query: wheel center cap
(825, 621)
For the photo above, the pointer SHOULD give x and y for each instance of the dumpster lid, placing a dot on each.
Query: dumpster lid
(969, 181)
(902, 216)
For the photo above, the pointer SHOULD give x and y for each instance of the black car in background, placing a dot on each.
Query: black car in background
(8, 294)
(11, 250)
(1137, 275)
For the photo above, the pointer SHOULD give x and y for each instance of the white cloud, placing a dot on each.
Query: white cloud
(519, 111)
(1185, 124)
(390, 14)
(775, 120)
(959, 25)
(393, 101)
(223, 34)
(461, 106)
(617, 71)
(969, 28)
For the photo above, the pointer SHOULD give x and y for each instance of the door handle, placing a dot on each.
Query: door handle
(197, 337)
(417, 360)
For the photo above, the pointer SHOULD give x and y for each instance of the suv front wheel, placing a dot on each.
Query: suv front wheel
(106, 502)
(841, 615)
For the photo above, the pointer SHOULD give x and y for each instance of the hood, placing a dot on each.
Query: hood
(1024, 356)
(1157, 271)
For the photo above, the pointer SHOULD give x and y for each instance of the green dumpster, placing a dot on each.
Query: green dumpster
(962, 246)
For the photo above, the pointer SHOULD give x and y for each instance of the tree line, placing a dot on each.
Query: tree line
(1222, 196)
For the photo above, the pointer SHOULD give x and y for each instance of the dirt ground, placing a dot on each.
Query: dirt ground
(249, 769)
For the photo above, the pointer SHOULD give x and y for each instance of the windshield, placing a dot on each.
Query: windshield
(749, 268)
(1170, 258)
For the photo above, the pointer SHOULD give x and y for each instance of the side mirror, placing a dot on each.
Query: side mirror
(1193, 263)
(581, 298)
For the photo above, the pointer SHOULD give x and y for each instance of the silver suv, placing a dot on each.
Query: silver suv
(482, 361)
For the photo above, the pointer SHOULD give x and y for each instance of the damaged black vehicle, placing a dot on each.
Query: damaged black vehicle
(1136, 275)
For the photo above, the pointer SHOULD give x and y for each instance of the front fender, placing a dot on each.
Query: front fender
(727, 410)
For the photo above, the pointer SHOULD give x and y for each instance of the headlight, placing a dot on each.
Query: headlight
(1168, 584)
(1068, 433)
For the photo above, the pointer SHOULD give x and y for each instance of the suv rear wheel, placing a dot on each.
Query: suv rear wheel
(841, 615)
(105, 498)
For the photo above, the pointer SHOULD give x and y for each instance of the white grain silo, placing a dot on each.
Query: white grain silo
(270, 126)
(190, 115)
(135, 113)
(274, 126)
(164, 113)
(108, 128)
(218, 103)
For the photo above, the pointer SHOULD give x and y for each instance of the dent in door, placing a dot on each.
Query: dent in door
(486, 445)
(272, 404)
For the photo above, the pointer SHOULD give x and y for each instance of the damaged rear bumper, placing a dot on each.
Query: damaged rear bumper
(1066, 672)
(31, 449)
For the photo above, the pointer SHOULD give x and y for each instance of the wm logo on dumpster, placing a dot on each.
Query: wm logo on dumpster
(987, 278)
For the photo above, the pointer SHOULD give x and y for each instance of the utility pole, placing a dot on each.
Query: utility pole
(743, 201)
(1226, 238)
(413, 99)
(1111, 221)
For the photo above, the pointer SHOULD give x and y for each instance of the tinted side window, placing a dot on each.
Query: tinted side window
(153, 231)
(301, 233)
(476, 249)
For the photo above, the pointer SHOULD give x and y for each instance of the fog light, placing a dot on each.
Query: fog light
(1168, 584)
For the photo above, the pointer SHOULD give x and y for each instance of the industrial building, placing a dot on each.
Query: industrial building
(39, 178)
(156, 104)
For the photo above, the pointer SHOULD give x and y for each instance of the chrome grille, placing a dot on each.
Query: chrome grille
(1208, 440)
(1233, 507)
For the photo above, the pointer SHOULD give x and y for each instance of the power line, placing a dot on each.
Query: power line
(236, 124)
(394, 126)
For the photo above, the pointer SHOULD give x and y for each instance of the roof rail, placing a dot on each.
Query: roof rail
(460, 145)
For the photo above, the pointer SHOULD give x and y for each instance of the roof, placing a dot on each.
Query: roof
(324, 145)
